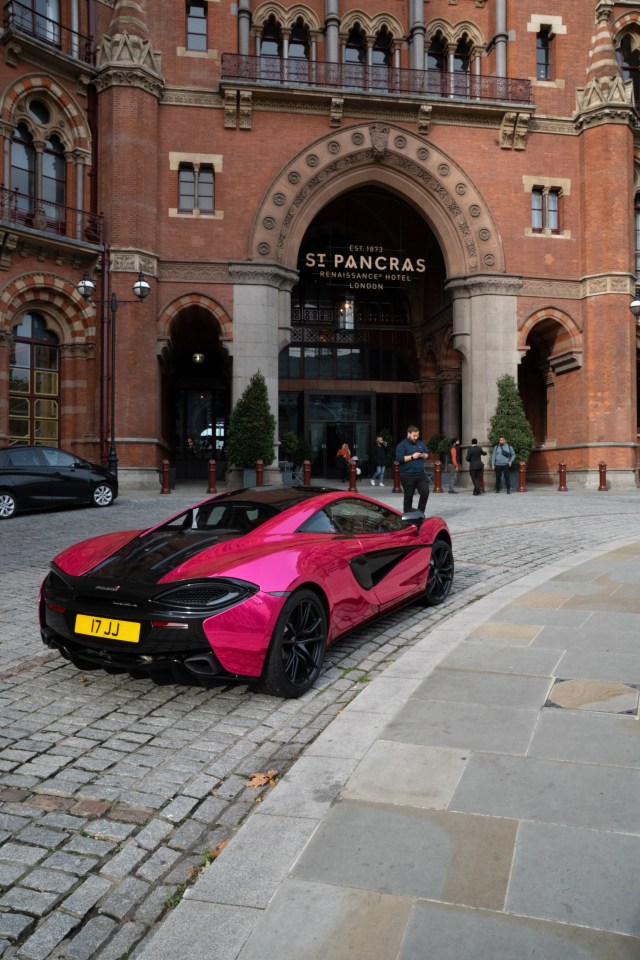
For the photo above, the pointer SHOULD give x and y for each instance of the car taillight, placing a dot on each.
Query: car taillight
(168, 623)
(56, 608)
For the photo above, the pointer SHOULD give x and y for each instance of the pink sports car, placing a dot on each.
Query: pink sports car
(249, 585)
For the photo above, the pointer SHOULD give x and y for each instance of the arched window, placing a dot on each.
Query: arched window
(437, 53)
(355, 50)
(299, 42)
(437, 65)
(34, 383)
(53, 180)
(628, 54)
(23, 171)
(298, 53)
(271, 42)
(382, 45)
(462, 67)
(38, 178)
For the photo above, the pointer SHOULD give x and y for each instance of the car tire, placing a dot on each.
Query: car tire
(440, 575)
(8, 505)
(102, 495)
(297, 646)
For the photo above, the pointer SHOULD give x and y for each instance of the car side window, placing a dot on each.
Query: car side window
(23, 457)
(359, 517)
(57, 458)
(320, 522)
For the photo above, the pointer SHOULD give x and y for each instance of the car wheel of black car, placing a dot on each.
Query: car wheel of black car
(8, 505)
(297, 646)
(440, 574)
(102, 495)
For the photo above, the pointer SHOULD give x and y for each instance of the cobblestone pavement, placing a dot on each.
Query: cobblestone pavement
(115, 793)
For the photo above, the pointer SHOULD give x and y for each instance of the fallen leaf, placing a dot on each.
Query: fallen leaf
(262, 779)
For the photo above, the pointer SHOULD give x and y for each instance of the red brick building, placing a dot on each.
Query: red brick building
(382, 207)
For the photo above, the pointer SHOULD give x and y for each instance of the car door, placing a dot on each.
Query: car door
(69, 477)
(25, 473)
(393, 559)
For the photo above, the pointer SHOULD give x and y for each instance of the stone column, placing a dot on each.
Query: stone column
(485, 331)
(261, 319)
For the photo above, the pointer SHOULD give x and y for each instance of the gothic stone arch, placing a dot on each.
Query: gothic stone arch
(397, 160)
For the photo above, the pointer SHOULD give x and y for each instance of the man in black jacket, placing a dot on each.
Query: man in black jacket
(475, 454)
(411, 454)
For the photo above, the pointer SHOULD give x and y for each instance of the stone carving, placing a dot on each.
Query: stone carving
(128, 60)
(312, 160)
(379, 140)
(400, 142)
(230, 109)
(245, 111)
(293, 177)
(333, 147)
(513, 131)
(424, 118)
(199, 272)
(336, 111)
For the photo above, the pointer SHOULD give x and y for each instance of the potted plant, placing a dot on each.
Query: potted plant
(252, 429)
(509, 421)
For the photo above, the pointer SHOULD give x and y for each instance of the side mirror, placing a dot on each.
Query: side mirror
(413, 517)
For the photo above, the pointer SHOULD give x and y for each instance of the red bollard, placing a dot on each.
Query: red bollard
(562, 471)
(396, 478)
(437, 477)
(306, 473)
(259, 473)
(522, 476)
(212, 477)
(166, 477)
(481, 479)
(353, 477)
(602, 467)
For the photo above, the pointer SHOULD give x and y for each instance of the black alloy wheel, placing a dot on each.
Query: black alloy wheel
(297, 646)
(440, 574)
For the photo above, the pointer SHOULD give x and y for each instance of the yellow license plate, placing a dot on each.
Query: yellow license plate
(109, 629)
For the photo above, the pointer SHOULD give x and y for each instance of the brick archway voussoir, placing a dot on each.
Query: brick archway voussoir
(396, 159)
(178, 306)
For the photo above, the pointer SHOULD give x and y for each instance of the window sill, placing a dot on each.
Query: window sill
(197, 54)
(549, 84)
(195, 214)
(549, 234)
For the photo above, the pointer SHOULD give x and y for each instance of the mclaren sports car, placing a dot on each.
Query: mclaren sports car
(249, 585)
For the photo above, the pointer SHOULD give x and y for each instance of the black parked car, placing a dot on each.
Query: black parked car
(35, 478)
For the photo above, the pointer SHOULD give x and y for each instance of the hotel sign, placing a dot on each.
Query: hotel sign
(363, 267)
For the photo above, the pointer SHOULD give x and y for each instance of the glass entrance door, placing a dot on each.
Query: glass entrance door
(200, 424)
(334, 420)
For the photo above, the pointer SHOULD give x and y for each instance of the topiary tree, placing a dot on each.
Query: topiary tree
(439, 447)
(294, 448)
(509, 420)
(252, 427)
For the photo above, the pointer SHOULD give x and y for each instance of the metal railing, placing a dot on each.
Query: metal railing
(24, 210)
(19, 18)
(374, 79)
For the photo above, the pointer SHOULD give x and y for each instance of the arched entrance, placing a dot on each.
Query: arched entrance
(196, 370)
(476, 314)
(371, 287)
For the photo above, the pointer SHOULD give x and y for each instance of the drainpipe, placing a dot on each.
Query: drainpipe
(501, 38)
(332, 23)
(417, 34)
(244, 24)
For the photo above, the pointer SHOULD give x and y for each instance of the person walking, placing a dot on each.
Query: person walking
(343, 459)
(503, 456)
(380, 460)
(453, 463)
(475, 453)
(411, 454)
